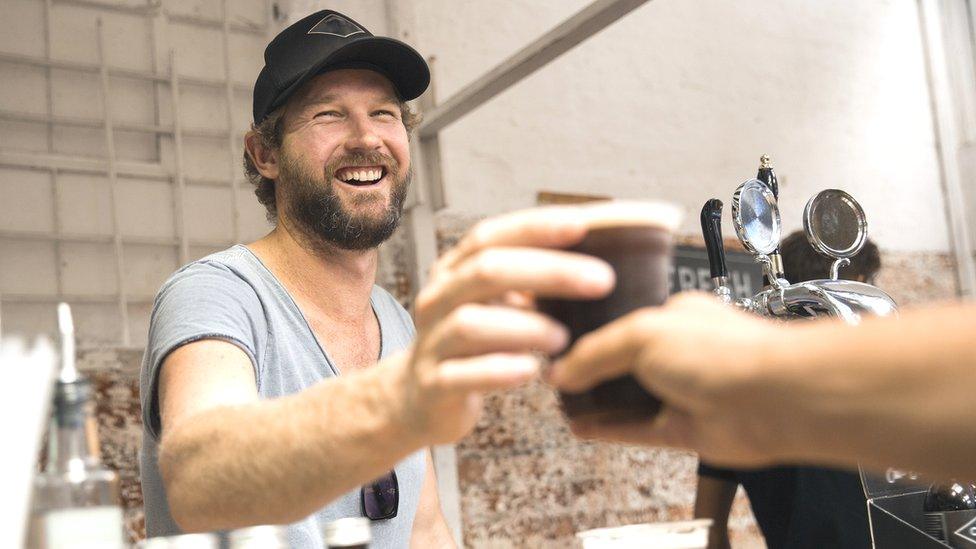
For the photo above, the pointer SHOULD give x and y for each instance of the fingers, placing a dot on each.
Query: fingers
(551, 227)
(478, 329)
(605, 354)
(487, 372)
(518, 300)
(634, 344)
(495, 272)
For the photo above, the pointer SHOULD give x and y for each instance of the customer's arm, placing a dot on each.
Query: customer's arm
(229, 459)
(748, 392)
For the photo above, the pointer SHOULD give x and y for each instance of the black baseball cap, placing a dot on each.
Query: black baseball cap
(328, 40)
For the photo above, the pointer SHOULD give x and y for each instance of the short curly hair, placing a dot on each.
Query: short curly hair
(271, 133)
(801, 262)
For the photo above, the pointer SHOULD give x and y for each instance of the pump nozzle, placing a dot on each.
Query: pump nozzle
(69, 373)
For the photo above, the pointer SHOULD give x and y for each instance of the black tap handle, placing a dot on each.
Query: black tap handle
(711, 222)
(768, 176)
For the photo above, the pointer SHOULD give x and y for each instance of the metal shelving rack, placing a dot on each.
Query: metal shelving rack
(167, 83)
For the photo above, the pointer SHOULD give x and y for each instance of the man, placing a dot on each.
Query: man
(279, 384)
(795, 507)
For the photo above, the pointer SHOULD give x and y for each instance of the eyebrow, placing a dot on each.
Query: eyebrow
(308, 101)
(328, 98)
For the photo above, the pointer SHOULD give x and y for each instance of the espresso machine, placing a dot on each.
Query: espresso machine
(836, 227)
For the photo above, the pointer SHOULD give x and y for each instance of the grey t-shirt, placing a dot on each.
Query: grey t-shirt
(232, 296)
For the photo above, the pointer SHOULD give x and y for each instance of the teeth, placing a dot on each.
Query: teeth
(361, 175)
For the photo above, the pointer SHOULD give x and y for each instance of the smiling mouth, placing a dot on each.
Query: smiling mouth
(361, 176)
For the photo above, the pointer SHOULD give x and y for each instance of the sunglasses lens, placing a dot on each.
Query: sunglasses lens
(381, 498)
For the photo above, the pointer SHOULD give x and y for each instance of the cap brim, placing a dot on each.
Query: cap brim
(405, 68)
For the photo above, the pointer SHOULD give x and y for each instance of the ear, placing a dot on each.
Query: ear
(264, 158)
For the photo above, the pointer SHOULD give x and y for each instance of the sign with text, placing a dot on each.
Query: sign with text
(690, 271)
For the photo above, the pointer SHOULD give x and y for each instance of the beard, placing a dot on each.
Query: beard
(317, 209)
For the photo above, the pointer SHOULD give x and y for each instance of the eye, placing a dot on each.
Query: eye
(386, 113)
(328, 114)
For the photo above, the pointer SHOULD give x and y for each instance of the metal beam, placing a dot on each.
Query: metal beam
(78, 164)
(179, 179)
(172, 17)
(53, 173)
(587, 22)
(117, 72)
(947, 143)
(89, 299)
(168, 241)
(113, 175)
(75, 164)
(234, 162)
(206, 22)
(93, 123)
(429, 151)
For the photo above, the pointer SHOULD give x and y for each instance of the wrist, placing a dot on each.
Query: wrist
(397, 400)
(779, 383)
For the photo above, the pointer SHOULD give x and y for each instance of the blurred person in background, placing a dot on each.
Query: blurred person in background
(280, 385)
(795, 507)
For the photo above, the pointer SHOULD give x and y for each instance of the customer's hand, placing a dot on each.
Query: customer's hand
(475, 333)
(701, 358)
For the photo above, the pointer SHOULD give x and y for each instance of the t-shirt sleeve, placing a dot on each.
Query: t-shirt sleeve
(202, 301)
(706, 470)
(406, 319)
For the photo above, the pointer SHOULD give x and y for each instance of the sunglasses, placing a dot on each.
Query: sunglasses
(381, 497)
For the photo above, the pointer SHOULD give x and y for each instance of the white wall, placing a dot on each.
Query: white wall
(678, 100)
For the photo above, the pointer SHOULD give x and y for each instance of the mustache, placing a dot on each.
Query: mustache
(370, 158)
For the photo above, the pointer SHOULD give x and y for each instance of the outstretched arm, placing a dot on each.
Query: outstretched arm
(748, 392)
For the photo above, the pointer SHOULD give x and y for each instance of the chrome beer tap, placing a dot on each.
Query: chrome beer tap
(836, 227)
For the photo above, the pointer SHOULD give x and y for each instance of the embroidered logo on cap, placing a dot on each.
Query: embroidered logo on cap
(336, 25)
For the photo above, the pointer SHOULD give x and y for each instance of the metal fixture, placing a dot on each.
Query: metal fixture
(835, 225)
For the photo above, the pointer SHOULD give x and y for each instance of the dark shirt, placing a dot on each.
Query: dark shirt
(804, 507)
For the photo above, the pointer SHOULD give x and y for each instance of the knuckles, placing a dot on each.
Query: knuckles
(478, 236)
(426, 301)
(485, 267)
(464, 322)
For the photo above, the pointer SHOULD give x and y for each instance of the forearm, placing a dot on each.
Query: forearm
(890, 392)
(278, 460)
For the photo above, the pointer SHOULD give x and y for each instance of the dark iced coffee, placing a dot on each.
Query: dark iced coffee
(636, 240)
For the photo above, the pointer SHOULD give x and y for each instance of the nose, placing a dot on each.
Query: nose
(362, 135)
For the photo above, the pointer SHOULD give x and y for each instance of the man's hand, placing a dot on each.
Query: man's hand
(701, 359)
(474, 333)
